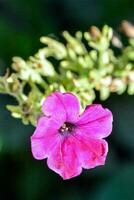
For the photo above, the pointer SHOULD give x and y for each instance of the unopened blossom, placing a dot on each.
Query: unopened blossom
(69, 140)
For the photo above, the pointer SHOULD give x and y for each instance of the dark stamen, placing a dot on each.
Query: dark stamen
(67, 127)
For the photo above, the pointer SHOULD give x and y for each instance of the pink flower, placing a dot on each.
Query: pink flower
(68, 140)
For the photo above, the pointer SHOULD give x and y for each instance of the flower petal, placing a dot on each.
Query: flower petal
(46, 125)
(63, 160)
(92, 152)
(44, 137)
(54, 107)
(72, 107)
(63, 106)
(96, 122)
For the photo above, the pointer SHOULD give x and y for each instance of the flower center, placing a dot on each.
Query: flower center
(67, 127)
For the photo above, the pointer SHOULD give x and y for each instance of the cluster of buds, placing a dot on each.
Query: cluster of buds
(83, 64)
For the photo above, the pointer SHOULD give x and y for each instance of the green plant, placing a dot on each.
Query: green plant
(82, 64)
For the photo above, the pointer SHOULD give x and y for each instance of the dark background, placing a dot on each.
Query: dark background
(22, 22)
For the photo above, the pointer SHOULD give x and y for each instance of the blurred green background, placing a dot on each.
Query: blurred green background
(22, 22)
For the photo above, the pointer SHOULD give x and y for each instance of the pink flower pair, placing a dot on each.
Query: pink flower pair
(69, 140)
